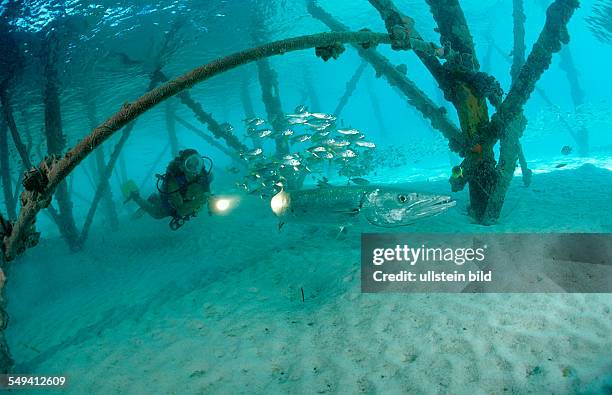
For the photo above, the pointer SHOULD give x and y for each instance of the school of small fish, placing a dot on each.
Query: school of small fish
(317, 144)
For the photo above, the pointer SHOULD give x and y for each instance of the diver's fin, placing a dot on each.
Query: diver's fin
(127, 189)
(280, 226)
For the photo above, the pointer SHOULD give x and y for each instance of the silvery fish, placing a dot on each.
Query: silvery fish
(320, 115)
(264, 133)
(287, 133)
(254, 121)
(348, 154)
(366, 144)
(296, 121)
(348, 132)
(352, 205)
(301, 138)
(317, 149)
(340, 144)
(253, 153)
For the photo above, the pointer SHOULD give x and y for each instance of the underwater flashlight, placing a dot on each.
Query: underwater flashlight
(221, 205)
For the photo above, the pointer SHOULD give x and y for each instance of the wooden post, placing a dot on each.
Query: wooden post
(56, 142)
(5, 173)
(351, 85)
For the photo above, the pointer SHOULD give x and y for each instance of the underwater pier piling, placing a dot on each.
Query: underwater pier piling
(107, 172)
(581, 135)
(213, 142)
(416, 97)
(508, 123)
(7, 111)
(351, 85)
(205, 118)
(270, 95)
(107, 200)
(5, 173)
(518, 60)
(467, 89)
(171, 128)
(56, 141)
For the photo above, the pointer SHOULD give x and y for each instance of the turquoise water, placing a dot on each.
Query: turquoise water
(230, 304)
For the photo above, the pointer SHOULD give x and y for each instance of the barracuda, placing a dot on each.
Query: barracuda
(349, 205)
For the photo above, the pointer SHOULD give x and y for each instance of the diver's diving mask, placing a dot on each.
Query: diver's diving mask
(194, 164)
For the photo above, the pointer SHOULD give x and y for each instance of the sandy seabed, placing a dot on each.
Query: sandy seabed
(217, 308)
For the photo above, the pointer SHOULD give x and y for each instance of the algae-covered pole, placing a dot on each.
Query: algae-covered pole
(518, 51)
(467, 89)
(108, 203)
(51, 173)
(508, 122)
(10, 122)
(377, 111)
(206, 118)
(351, 85)
(6, 361)
(156, 162)
(105, 176)
(315, 104)
(56, 141)
(171, 129)
(416, 97)
(231, 154)
(518, 59)
(270, 96)
(247, 104)
(5, 173)
(581, 136)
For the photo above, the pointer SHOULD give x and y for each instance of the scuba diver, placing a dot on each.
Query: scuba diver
(182, 191)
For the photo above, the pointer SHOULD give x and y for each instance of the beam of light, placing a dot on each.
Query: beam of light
(222, 205)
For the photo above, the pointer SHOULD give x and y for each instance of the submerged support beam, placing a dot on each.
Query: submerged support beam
(171, 129)
(156, 162)
(508, 122)
(416, 97)
(231, 154)
(7, 110)
(247, 104)
(56, 143)
(6, 360)
(351, 85)
(107, 172)
(102, 187)
(581, 135)
(467, 89)
(377, 111)
(518, 51)
(315, 104)
(518, 60)
(270, 96)
(52, 172)
(5, 173)
(107, 199)
(205, 118)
